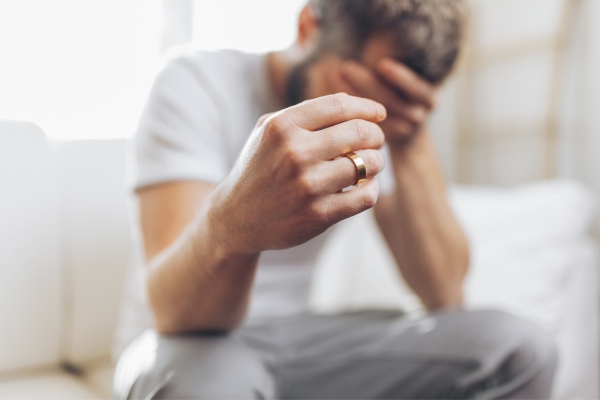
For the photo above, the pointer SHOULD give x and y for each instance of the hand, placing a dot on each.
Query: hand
(407, 97)
(286, 186)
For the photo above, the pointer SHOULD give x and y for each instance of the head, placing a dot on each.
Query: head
(426, 35)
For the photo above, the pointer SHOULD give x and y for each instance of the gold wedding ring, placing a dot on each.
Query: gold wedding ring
(361, 169)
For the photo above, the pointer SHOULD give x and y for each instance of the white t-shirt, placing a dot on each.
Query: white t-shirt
(200, 112)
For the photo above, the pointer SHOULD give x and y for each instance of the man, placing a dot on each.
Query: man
(227, 210)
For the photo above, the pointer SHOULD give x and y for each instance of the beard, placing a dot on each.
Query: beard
(296, 84)
(297, 81)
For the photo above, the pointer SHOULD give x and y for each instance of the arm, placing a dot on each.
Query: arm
(429, 246)
(202, 242)
(421, 230)
(193, 284)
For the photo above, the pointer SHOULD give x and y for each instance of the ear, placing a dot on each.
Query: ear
(308, 27)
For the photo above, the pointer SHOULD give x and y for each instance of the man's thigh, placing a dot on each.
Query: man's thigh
(380, 355)
(191, 367)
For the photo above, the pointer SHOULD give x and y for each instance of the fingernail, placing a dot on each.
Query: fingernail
(381, 112)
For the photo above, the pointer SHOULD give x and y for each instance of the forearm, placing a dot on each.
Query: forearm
(203, 242)
(196, 284)
(422, 232)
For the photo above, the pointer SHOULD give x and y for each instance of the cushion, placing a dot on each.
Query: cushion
(52, 384)
(30, 279)
(97, 241)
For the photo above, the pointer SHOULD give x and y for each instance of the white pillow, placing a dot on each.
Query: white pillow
(523, 241)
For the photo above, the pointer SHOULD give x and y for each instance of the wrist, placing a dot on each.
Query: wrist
(221, 241)
(415, 154)
(415, 164)
(217, 231)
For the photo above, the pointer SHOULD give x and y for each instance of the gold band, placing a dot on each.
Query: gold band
(361, 169)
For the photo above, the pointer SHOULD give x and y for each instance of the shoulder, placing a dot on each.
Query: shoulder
(216, 68)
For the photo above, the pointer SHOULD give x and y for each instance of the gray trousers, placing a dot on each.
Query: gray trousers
(481, 354)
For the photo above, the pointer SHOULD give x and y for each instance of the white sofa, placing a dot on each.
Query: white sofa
(65, 244)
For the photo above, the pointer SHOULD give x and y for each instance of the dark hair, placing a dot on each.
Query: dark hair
(426, 33)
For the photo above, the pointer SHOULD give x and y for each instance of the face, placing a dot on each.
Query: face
(323, 76)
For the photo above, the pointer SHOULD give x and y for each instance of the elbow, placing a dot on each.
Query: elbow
(172, 327)
(446, 298)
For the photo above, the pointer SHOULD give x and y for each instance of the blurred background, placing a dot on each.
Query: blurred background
(526, 90)
(523, 106)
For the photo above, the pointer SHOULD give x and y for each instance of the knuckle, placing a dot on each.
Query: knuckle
(262, 119)
(316, 213)
(294, 157)
(276, 126)
(307, 185)
(338, 104)
(369, 160)
(362, 129)
(374, 161)
(380, 136)
(370, 195)
(320, 213)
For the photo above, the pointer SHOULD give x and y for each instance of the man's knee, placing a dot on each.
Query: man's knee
(515, 357)
(198, 367)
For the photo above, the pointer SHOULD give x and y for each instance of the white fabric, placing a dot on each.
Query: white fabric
(46, 385)
(577, 330)
(96, 242)
(578, 140)
(524, 242)
(177, 27)
(30, 271)
(531, 256)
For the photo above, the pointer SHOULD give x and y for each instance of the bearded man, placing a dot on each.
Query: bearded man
(232, 219)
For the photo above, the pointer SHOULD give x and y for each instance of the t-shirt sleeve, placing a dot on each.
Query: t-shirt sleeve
(180, 134)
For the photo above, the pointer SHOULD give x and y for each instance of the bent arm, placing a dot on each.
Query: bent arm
(193, 283)
(420, 228)
(203, 242)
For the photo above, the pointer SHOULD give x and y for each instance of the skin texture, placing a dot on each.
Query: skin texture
(202, 242)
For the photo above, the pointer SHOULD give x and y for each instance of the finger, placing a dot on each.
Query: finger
(367, 84)
(343, 172)
(339, 84)
(407, 81)
(339, 206)
(414, 113)
(335, 175)
(327, 111)
(398, 128)
(353, 135)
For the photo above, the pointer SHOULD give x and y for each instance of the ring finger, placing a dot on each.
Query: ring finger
(342, 172)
